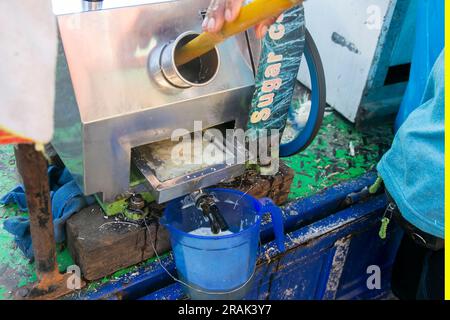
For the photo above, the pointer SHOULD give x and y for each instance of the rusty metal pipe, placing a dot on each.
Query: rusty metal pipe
(32, 166)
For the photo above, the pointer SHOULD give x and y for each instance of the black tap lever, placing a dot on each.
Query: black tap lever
(206, 203)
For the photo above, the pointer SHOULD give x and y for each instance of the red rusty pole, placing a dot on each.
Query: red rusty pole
(32, 166)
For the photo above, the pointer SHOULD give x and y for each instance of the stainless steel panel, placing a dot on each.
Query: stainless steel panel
(61, 7)
(107, 53)
(68, 134)
(111, 102)
(108, 143)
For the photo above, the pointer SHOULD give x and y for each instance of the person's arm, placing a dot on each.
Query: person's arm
(220, 11)
(27, 76)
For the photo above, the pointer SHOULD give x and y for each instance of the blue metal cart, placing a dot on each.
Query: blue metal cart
(332, 249)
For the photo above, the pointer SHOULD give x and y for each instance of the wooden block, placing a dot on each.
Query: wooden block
(276, 187)
(102, 246)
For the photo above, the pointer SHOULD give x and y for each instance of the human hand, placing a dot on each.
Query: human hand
(221, 11)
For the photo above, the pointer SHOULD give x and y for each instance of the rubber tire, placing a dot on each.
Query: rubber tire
(318, 101)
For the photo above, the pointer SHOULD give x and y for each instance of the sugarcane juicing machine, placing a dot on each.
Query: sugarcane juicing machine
(120, 95)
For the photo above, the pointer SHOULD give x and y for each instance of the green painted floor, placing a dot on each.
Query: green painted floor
(339, 152)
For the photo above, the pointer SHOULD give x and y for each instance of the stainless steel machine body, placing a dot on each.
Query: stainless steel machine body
(111, 98)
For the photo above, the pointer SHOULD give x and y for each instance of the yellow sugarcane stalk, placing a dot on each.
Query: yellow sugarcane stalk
(250, 15)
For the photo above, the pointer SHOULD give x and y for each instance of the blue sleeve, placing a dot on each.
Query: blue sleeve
(413, 169)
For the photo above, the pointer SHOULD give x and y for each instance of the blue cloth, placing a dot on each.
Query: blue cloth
(66, 199)
(428, 45)
(413, 169)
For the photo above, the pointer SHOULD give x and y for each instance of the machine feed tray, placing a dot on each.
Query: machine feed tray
(173, 169)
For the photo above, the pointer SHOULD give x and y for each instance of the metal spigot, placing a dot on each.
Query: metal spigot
(206, 203)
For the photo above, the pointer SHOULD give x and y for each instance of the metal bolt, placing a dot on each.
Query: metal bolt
(136, 202)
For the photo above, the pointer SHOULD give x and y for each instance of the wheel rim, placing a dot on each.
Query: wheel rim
(304, 138)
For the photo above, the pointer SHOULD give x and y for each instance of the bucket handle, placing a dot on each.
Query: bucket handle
(277, 221)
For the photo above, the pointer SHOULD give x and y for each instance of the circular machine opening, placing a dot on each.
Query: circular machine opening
(201, 70)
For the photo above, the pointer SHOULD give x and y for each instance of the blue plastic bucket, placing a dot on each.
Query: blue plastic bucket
(219, 267)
